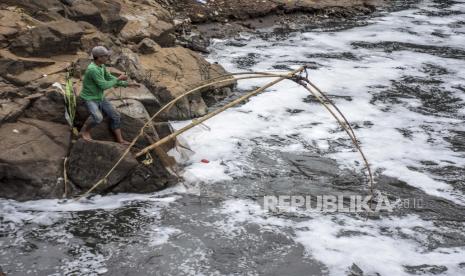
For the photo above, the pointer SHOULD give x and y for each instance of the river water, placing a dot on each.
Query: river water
(398, 75)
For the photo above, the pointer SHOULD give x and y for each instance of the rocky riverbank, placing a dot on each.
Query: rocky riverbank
(156, 43)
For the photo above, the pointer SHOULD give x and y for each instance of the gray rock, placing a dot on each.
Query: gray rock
(148, 46)
(50, 107)
(56, 37)
(89, 161)
(81, 10)
(103, 14)
(129, 127)
(10, 110)
(32, 153)
(113, 22)
(164, 129)
(140, 94)
(11, 64)
(146, 179)
(132, 108)
(309, 164)
(354, 270)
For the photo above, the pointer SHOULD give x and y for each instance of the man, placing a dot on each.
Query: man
(96, 80)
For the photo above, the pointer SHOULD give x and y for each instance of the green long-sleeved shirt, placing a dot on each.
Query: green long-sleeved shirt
(96, 80)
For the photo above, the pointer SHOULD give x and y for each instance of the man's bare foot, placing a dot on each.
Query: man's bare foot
(86, 136)
(124, 142)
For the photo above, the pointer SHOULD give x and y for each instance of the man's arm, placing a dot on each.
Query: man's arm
(109, 76)
(99, 78)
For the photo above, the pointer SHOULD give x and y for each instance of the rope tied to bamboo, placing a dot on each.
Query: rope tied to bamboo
(293, 76)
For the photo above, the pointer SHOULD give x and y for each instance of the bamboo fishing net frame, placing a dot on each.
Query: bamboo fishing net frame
(294, 76)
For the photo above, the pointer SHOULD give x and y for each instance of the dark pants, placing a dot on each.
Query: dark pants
(96, 108)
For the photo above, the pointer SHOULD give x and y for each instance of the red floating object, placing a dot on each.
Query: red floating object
(204, 161)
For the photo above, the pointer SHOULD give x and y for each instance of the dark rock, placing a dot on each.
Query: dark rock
(129, 62)
(32, 153)
(82, 10)
(148, 24)
(110, 12)
(11, 64)
(195, 42)
(57, 37)
(94, 38)
(132, 108)
(457, 140)
(79, 67)
(354, 270)
(309, 164)
(140, 94)
(43, 10)
(23, 78)
(164, 129)
(9, 91)
(146, 179)
(50, 107)
(147, 46)
(415, 200)
(10, 110)
(103, 14)
(89, 161)
(426, 269)
(129, 128)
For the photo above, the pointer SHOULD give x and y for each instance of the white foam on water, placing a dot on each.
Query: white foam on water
(88, 262)
(378, 246)
(387, 149)
(161, 235)
(386, 246)
(54, 214)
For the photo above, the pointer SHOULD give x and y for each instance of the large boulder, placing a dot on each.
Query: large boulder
(140, 94)
(103, 14)
(14, 65)
(83, 10)
(131, 108)
(33, 72)
(129, 61)
(50, 107)
(146, 178)
(44, 10)
(48, 39)
(32, 154)
(147, 19)
(140, 27)
(93, 37)
(11, 23)
(148, 46)
(91, 160)
(130, 128)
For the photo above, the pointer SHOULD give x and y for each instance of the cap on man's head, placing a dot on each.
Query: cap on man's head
(100, 51)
